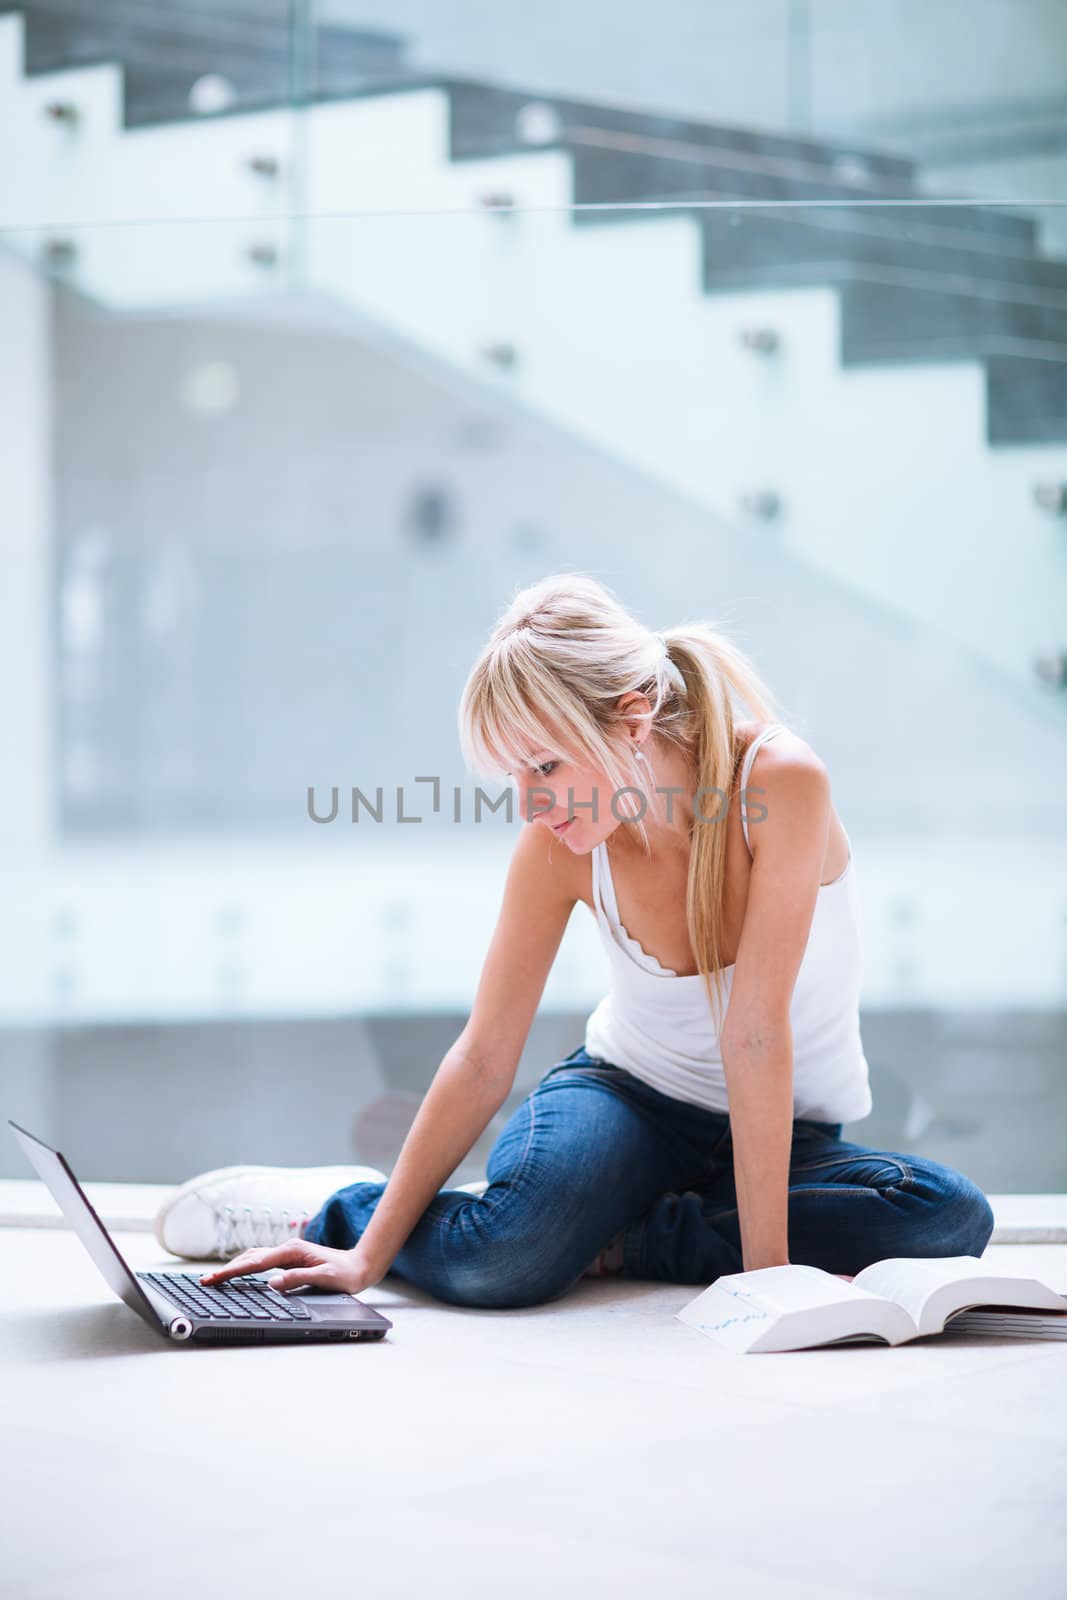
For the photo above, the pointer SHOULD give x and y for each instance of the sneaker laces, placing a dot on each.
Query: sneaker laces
(255, 1226)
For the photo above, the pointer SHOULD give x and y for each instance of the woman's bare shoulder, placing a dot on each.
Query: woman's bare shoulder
(789, 771)
(786, 749)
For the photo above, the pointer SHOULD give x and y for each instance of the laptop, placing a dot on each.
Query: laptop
(243, 1310)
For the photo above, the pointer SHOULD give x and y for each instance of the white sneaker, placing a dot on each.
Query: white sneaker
(220, 1213)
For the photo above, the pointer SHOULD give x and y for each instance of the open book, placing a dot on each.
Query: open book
(794, 1307)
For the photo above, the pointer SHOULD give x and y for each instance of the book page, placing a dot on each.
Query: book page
(734, 1320)
(910, 1280)
(794, 1307)
(933, 1288)
(794, 1288)
(1017, 1324)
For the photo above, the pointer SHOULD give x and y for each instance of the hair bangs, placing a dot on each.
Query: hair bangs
(519, 710)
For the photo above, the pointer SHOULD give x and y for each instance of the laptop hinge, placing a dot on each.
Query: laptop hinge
(173, 1321)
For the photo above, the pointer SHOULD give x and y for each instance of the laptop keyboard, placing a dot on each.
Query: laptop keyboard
(239, 1300)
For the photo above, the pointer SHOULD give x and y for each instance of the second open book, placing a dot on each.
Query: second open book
(794, 1307)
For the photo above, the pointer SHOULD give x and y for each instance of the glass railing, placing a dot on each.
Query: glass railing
(877, 391)
(861, 89)
(787, 100)
(271, 477)
(790, 99)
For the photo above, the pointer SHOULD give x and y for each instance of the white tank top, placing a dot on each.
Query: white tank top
(660, 1027)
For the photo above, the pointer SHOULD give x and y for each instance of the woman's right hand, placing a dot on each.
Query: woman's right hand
(317, 1265)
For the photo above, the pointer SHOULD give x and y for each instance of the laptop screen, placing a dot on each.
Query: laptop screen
(72, 1201)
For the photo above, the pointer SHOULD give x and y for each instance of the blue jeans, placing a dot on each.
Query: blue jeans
(593, 1153)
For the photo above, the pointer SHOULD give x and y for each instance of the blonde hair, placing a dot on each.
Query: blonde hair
(561, 656)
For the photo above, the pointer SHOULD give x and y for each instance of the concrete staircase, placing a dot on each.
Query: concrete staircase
(882, 388)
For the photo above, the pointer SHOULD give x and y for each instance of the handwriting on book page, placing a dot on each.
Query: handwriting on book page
(748, 1309)
(731, 1322)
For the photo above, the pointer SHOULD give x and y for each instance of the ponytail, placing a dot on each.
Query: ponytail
(716, 673)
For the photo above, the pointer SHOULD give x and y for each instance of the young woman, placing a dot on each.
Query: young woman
(696, 1129)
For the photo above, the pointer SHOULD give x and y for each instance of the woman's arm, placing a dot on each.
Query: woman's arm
(459, 1104)
(477, 1073)
(760, 1088)
(462, 1100)
(788, 849)
(469, 1087)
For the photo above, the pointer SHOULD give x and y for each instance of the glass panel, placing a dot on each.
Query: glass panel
(186, 59)
(861, 91)
(269, 480)
(774, 100)
(992, 125)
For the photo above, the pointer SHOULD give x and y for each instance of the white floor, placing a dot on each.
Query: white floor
(594, 1441)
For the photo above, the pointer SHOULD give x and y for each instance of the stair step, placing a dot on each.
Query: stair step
(1026, 400)
(1022, 345)
(167, 46)
(952, 242)
(882, 322)
(923, 284)
(610, 169)
(922, 321)
(484, 123)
